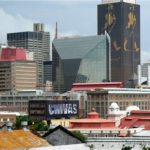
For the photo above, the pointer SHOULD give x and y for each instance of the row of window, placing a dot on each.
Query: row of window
(7, 119)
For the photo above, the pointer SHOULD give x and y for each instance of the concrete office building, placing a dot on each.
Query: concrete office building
(37, 41)
(17, 75)
(80, 60)
(121, 20)
(16, 72)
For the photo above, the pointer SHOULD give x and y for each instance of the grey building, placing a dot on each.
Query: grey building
(37, 41)
(144, 69)
(80, 60)
(61, 136)
(47, 71)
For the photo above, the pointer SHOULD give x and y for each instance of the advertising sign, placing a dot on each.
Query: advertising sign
(58, 109)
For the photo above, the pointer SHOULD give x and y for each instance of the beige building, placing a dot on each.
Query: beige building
(17, 75)
(101, 99)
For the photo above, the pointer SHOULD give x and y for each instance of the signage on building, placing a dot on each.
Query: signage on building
(45, 110)
(62, 109)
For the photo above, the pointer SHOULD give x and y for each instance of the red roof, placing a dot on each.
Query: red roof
(97, 85)
(13, 54)
(93, 121)
(137, 118)
(140, 112)
(100, 120)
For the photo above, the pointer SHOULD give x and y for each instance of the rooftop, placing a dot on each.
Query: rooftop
(13, 54)
(22, 139)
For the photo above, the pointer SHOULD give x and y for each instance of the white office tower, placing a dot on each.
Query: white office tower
(116, 1)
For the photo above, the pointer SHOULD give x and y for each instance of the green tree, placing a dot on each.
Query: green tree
(146, 148)
(39, 126)
(19, 119)
(79, 135)
(126, 148)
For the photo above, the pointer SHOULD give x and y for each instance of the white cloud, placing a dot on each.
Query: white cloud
(17, 23)
(11, 23)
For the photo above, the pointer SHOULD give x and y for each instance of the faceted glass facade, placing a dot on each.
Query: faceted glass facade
(122, 22)
(80, 60)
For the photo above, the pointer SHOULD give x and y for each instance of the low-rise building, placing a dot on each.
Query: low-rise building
(61, 136)
(136, 118)
(93, 121)
(8, 117)
(101, 99)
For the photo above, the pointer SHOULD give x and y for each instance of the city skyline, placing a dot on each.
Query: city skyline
(73, 17)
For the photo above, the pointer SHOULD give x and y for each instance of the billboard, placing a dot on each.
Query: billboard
(59, 109)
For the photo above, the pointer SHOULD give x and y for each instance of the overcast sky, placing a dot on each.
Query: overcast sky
(74, 17)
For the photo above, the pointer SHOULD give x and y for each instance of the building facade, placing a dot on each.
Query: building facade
(47, 71)
(37, 41)
(121, 20)
(80, 60)
(16, 72)
(101, 99)
(144, 69)
(17, 75)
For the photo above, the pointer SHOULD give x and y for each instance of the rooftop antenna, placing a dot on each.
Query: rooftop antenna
(56, 31)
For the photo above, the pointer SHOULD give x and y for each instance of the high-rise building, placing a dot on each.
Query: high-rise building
(121, 20)
(16, 72)
(80, 60)
(47, 71)
(38, 42)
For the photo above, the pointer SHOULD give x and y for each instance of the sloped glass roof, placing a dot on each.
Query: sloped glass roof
(77, 48)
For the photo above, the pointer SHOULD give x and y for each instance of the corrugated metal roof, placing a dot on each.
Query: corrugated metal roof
(20, 139)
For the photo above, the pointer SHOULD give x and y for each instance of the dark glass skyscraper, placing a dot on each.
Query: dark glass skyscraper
(80, 60)
(122, 22)
(47, 71)
(38, 42)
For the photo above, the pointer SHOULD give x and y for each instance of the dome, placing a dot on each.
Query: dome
(114, 106)
(93, 114)
(130, 108)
